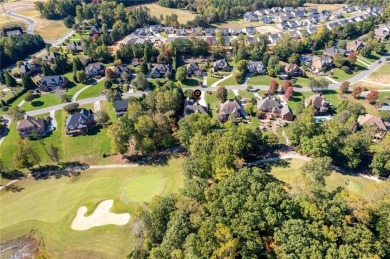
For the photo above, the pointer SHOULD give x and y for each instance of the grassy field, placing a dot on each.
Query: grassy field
(7, 21)
(296, 103)
(320, 7)
(48, 29)
(235, 23)
(289, 173)
(212, 100)
(157, 10)
(231, 95)
(332, 96)
(87, 149)
(45, 100)
(246, 94)
(228, 82)
(211, 80)
(262, 80)
(340, 75)
(92, 91)
(49, 207)
(381, 75)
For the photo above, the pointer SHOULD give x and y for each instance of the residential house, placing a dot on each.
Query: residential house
(143, 32)
(337, 14)
(159, 70)
(331, 25)
(51, 83)
(286, 113)
(301, 9)
(268, 11)
(221, 65)
(118, 70)
(313, 11)
(382, 33)
(227, 41)
(276, 9)
(355, 45)
(333, 51)
(250, 17)
(288, 9)
(293, 24)
(225, 31)
(209, 32)
(168, 30)
(321, 63)
(235, 31)
(260, 12)
(74, 46)
(94, 69)
(318, 102)
(369, 119)
(269, 105)
(231, 108)
(274, 37)
(256, 67)
(212, 40)
(197, 31)
(181, 32)
(191, 106)
(120, 107)
(156, 28)
(295, 34)
(283, 18)
(289, 15)
(353, 20)
(349, 8)
(250, 30)
(298, 13)
(30, 69)
(193, 69)
(49, 59)
(31, 126)
(311, 30)
(326, 12)
(79, 123)
(343, 22)
(266, 20)
(95, 29)
(13, 33)
(293, 70)
(283, 25)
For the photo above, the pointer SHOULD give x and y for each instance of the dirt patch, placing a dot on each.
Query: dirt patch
(20, 248)
(267, 29)
(330, 7)
(381, 75)
(157, 10)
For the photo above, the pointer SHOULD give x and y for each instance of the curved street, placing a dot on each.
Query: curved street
(31, 22)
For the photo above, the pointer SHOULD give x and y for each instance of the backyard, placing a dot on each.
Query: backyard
(56, 201)
(157, 10)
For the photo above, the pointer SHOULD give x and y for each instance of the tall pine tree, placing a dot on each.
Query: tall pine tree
(9, 80)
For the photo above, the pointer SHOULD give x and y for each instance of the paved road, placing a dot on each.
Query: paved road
(31, 22)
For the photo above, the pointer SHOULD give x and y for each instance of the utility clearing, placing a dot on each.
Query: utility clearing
(100, 217)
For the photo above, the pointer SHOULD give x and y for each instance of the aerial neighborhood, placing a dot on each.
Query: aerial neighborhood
(195, 129)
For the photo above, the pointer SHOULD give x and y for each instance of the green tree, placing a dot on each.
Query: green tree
(16, 113)
(317, 169)
(380, 164)
(9, 79)
(27, 82)
(181, 74)
(222, 94)
(365, 51)
(25, 156)
(101, 117)
(140, 82)
(81, 76)
(54, 153)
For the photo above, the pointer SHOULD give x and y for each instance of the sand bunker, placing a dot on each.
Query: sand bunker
(100, 217)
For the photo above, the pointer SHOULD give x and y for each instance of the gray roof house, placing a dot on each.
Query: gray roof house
(74, 46)
(269, 104)
(286, 113)
(190, 107)
(221, 65)
(250, 30)
(50, 83)
(266, 20)
(79, 123)
(181, 32)
(192, 68)
(94, 69)
(318, 102)
(120, 107)
(250, 17)
(30, 69)
(30, 126)
(197, 31)
(333, 51)
(256, 67)
(160, 70)
(13, 33)
(118, 70)
(209, 32)
(231, 107)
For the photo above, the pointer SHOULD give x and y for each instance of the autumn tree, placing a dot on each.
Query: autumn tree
(289, 93)
(109, 74)
(356, 92)
(273, 87)
(344, 87)
(286, 84)
(222, 94)
(372, 96)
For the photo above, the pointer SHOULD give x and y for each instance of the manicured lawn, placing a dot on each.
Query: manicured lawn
(190, 83)
(296, 103)
(340, 75)
(45, 100)
(49, 207)
(87, 149)
(282, 140)
(157, 10)
(92, 91)
(231, 94)
(109, 108)
(332, 96)
(211, 80)
(381, 75)
(264, 80)
(228, 82)
(372, 57)
(246, 94)
(236, 23)
(289, 171)
(212, 100)
(384, 97)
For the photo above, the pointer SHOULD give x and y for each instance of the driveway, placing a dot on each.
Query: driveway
(31, 22)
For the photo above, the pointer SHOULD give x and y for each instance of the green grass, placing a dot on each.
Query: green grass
(93, 91)
(297, 101)
(87, 149)
(190, 83)
(279, 130)
(383, 97)
(235, 23)
(262, 80)
(381, 75)
(373, 57)
(212, 100)
(45, 100)
(246, 94)
(254, 124)
(332, 96)
(340, 75)
(109, 108)
(228, 82)
(49, 207)
(231, 94)
(211, 80)
(357, 185)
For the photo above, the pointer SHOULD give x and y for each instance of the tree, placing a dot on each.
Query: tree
(113, 95)
(25, 156)
(249, 108)
(352, 58)
(344, 87)
(101, 117)
(54, 153)
(71, 108)
(372, 96)
(81, 76)
(107, 84)
(385, 115)
(273, 87)
(380, 164)
(222, 94)
(109, 74)
(338, 60)
(356, 92)
(9, 80)
(317, 169)
(140, 82)
(181, 74)
(366, 51)
(144, 67)
(29, 97)
(16, 113)
(289, 93)
(286, 84)
(69, 21)
(27, 82)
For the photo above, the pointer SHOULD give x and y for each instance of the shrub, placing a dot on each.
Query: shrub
(71, 108)
(385, 115)
(346, 70)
